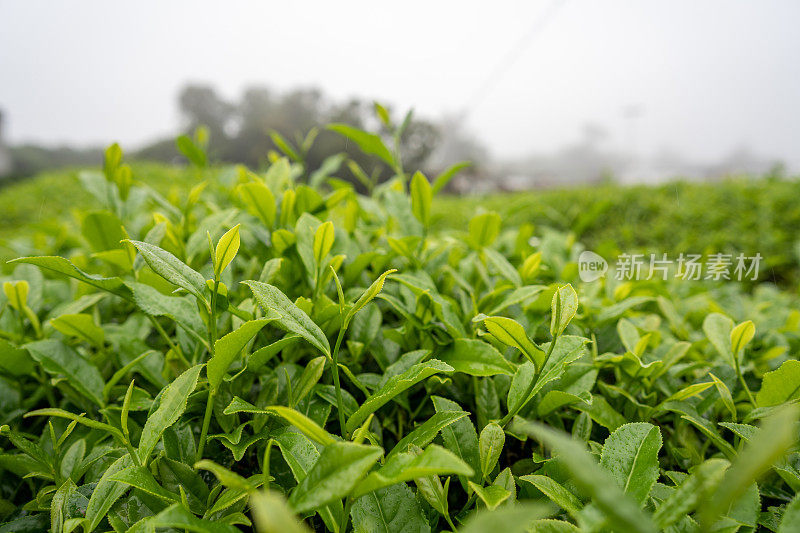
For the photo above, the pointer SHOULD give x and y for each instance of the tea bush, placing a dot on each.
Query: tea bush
(275, 350)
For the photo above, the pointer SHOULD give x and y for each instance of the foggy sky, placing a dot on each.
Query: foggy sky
(709, 76)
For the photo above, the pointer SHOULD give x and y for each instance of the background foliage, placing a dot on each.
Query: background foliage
(211, 348)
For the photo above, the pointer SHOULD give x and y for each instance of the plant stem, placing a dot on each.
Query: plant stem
(206, 422)
(346, 518)
(336, 384)
(212, 320)
(450, 522)
(743, 382)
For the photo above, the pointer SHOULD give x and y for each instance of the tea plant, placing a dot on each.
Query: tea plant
(276, 350)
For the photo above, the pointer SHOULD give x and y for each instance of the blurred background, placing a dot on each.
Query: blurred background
(535, 93)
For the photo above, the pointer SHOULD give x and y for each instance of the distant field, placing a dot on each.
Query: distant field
(744, 215)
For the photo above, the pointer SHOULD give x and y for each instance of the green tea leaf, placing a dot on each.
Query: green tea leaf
(622, 511)
(292, 318)
(226, 249)
(172, 406)
(490, 446)
(81, 326)
(368, 142)
(421, 198)
(405, 466)
(59, 359)
(423, 434)
(771, 444)
(172, 269)
(65, 267)
(563, 307)
(781, 385)
(557, 493)
(227, 348)
(511, 333)
(484, 229)
(323, 241)
(491, 496)
(395, 386)
(340, 466)
(272, 514)
(630, 454)
(476, 358)
(389, 509)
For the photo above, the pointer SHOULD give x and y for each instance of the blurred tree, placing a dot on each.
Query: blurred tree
(241, 131)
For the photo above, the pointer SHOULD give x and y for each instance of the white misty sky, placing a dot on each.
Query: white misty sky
(709, 76)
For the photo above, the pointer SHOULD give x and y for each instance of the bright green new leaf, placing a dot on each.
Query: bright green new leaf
(491, 496)
(490, 446)
(227, 348)
(484, 229)
(323, 241)
(368, 142)
(511, 333)
(259, 201)
(368, 295)
(271, 514)
(17, 294)
(226, 249)
(563, 309)
(718, 329)
(421, 198)
(741, 335)
(81, 326)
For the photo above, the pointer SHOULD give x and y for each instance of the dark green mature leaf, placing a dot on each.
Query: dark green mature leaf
(630, 454)
(59, 359)
(340, 466)
(622, 511)
(459, 437)
(292, 318)
(172, 406)
(771, 444)
(389, 509)
(395, 386)
(423, 434)
(476, 358)
(405, 466)
(65, 267)
(171, 268)
(107, 492)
